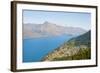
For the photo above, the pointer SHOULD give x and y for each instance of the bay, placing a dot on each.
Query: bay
(35, 49)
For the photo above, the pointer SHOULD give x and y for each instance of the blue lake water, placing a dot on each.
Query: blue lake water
(35, 49)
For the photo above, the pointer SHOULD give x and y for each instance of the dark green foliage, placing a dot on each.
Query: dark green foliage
(82, 54)
(84, 39)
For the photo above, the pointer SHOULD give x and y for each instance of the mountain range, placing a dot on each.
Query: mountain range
(47, 29)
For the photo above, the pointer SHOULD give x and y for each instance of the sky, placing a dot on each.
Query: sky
(73, 19)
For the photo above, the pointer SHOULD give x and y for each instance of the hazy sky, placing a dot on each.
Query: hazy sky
(73, 19)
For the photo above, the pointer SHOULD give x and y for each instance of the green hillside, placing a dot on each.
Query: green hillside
(84, 39)
(77, 48)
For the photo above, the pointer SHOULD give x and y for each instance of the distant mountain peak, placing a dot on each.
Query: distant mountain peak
(47, 22)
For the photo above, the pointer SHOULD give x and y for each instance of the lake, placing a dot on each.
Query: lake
(35, 49)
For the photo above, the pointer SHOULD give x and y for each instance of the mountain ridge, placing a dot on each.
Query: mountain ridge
(49, 29)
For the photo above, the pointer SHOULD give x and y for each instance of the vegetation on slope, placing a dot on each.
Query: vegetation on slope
(75, 49)
(82, 54)
(84, 39)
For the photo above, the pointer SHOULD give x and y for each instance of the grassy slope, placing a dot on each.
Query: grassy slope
(82, 39)
(75, 49)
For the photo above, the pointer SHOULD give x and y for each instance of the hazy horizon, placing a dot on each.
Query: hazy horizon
(70, 19)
